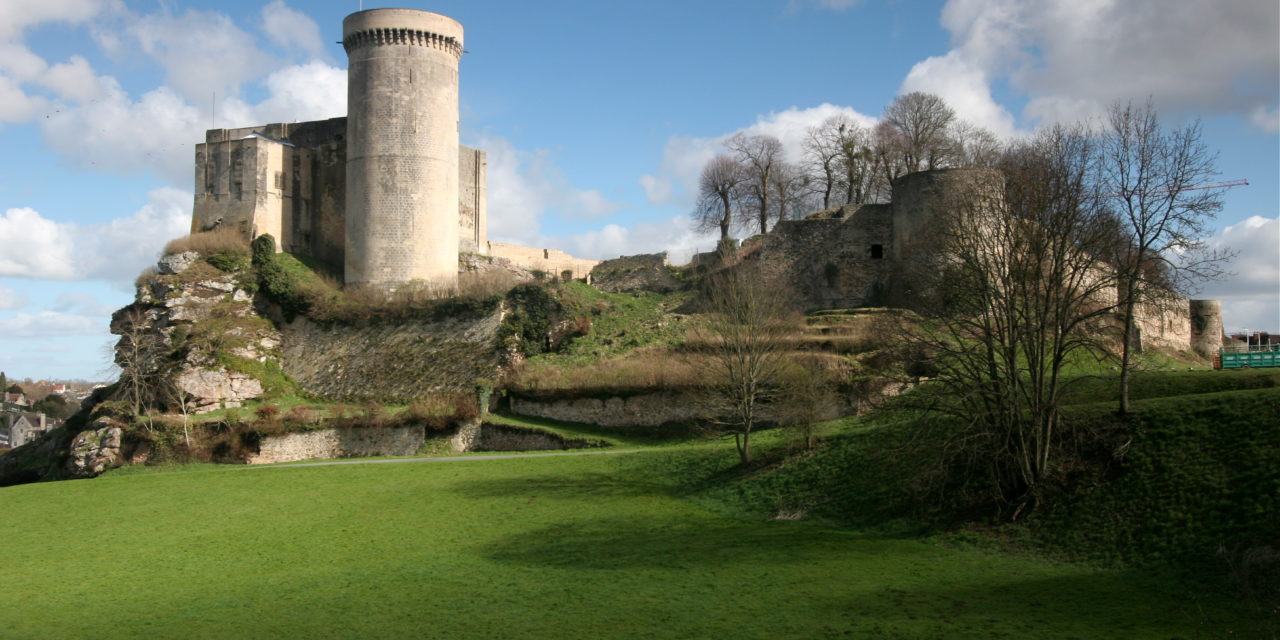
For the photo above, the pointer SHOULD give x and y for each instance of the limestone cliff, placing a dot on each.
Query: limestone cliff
(193, 335)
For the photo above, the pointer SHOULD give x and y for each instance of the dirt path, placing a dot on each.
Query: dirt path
(290, 465)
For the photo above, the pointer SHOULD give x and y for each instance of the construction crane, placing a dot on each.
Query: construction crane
(1241, 182)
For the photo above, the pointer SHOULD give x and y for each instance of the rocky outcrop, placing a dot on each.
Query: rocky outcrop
(212, 389)
(189, 323)
(339, 443)
(96, 450)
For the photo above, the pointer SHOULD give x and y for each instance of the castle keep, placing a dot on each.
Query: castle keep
(386, 195)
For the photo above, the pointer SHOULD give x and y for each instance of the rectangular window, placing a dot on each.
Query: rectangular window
(877, 251)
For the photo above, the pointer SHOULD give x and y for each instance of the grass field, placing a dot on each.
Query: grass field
(565, 547)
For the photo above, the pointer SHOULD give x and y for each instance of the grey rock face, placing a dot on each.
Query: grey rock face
(176, 262)
(93, 452)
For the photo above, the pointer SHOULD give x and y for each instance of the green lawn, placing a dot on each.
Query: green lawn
(565, 547)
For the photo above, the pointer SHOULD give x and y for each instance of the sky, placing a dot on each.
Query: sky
(597, 117)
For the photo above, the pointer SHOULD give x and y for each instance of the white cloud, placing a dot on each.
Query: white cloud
(1071, 58)
(291, 28)
(1266, 119)
(964, 86)
(81, 304)
(17, 15)
(589, 204)
(1251, 297)
(74, 80)
(118, 134)
(16, 105)
(524, 186)
(676, 180)
(118, 250)
(200, 51)
(11, 299)
(311, 91)
(35, 247)
(115, 251)
(47, 324)
(675, 236)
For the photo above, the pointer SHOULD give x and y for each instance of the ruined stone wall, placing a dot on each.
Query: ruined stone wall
(922, 200)
(841, 261)
(647, 410)
(1164, 324)
(1205, 320)
(400, 361)
(551, 261)
(324, 444)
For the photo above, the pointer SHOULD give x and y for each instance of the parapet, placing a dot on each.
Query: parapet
(402, 26)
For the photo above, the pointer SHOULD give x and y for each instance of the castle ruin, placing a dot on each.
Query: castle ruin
(383, 196)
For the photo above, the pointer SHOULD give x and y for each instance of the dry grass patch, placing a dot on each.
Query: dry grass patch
(208, 242)
(646, 370)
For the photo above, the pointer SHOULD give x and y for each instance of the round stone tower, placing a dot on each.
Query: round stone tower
(922, 200)
(402, 147)
(1206, 326)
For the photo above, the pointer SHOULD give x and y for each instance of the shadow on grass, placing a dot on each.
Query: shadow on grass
(628, 542)
(577, 486)
(865, 584)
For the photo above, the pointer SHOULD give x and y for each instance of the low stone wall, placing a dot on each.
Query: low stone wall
(647, 410)
(339, 443)
(500, 437)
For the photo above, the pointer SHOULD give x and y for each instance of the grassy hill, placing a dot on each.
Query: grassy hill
(564, 547)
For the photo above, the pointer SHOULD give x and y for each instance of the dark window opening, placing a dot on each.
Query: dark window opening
(877, 251)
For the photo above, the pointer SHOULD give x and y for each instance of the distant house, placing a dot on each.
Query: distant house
(21, 428)
(19, 399)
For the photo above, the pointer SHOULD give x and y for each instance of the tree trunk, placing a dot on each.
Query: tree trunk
(1126, 347)
(725, 219)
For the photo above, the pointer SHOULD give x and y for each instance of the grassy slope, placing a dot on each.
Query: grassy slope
(584, 547)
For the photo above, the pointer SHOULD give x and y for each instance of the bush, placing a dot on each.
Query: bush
(229, 261)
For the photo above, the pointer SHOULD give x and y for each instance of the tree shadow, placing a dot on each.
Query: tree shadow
(638, 542)
(576, 486)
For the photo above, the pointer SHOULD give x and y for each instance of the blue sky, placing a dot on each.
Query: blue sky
(597, 116)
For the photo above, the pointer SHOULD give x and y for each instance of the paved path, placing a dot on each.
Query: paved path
(593, 452)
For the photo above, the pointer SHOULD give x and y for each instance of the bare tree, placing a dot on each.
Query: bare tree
(760, 157)
(139, 354)
(974, 146)
(922, 120)
(823, 153)
(790, 189)
(1148, 175)
(175, 395)
(1022, 288)
(717, 190)
(748, 321)
(857, 162)
(887, 149)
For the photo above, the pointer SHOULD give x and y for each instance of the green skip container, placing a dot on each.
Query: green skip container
(1253, 356)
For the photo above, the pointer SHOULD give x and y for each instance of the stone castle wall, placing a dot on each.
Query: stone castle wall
(551, 261)
(289, 180)
(830, 262)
